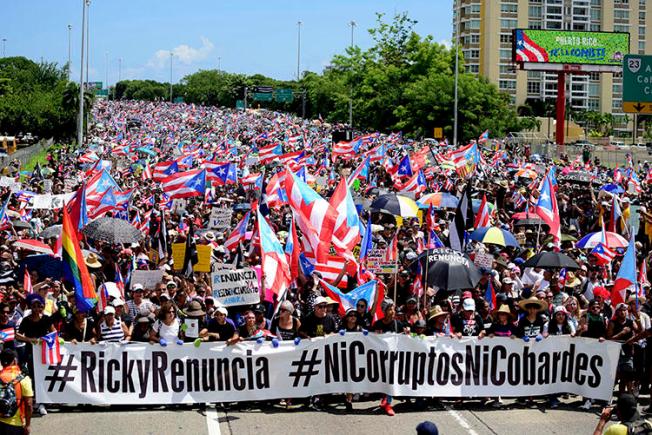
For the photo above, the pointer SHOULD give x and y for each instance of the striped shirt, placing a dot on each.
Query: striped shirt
(113, 333)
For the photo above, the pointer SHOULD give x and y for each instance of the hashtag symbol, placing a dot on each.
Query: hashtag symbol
(57, 377)
(301, 371)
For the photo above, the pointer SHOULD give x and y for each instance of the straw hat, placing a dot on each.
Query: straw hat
(533, 301)
(504, 309)
(435, 312)
(93, 261)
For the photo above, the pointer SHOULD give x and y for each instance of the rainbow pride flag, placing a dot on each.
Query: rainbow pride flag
(74, 268)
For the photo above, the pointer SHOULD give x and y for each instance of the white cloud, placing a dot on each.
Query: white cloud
(446, 43)
(183, 54)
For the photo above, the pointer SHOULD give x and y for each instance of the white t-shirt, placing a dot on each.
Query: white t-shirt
(169, 333)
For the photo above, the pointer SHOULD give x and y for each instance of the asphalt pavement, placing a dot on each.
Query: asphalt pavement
(468, 418)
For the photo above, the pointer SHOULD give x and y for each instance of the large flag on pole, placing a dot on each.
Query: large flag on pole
(274, 263)
(459, 225)
(626, 277)
(548, 210)
(74, 267)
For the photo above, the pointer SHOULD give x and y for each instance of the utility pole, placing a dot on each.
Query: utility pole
(119, 77)
(298, 50)
(4, 47)
(171, 55)
(106, 59)
(458, 9)
(80, 118)
(69, 50)
(219, 63)
(351, 87)
(88, 36)
(245, 98)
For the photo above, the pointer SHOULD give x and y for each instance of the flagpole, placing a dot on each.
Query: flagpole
(425, 283)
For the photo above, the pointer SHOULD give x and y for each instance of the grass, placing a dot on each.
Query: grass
(39, 157)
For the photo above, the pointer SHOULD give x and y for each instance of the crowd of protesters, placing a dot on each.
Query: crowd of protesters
(530, 303)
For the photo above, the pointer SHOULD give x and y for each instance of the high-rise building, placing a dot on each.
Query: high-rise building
(486, 27)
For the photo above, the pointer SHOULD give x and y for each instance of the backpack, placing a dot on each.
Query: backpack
(639, 427)
(8, 400)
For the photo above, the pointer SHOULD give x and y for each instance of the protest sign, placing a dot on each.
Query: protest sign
(377, 264)
(178, 255)
(148, 278)
(220, 219)
(483, 259)
(204, 253)
(235, 287)
(397, 365)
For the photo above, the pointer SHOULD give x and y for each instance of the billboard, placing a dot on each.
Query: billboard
(569, 47)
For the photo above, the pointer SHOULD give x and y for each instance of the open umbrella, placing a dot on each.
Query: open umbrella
(494, 235)
(449, 269)
(592, 240)
(551, 260)
(612, 188)
(395, 204)
(438, 200)
(33, 245)
(49, 232)
(21, 224)
(526, 222)
(112, 230)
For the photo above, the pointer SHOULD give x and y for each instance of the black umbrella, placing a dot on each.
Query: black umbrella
(396, 205)
(50, 232)
(551, 260)
(112, 230)
(449, 269)
(20, 224)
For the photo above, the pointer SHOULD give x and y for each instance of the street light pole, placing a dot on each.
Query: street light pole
(106, 59)
(171, 55)
(298, 49)
(69, 50)
(4, 47)
(219, 63)
(80, 119)
(88, 35)
(351, 88)
(457, 73)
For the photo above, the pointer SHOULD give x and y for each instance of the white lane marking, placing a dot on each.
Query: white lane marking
(461, 421)
(212, 421)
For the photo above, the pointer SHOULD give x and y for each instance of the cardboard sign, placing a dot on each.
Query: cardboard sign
(204, 253)
(148, 278)
(235, 287)
(220, 219)
(377, 264)
(178, 254)
(483, 259)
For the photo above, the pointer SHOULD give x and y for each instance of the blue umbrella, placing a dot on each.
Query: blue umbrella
(494, 235)
(613, 188)
(146, 151)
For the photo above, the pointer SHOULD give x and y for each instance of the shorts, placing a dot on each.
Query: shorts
(8, 429)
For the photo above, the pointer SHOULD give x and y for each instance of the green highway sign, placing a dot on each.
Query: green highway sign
(637, 84)
(284, 95)
(263, 96)
(102, 92)
(239, 104)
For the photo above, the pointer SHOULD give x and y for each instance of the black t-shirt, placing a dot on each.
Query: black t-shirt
(314, 326)
(468, 328)
(393, 326)
(225, 331)
(531, 329)
(31, 329)
(70, 332)
(502, 330)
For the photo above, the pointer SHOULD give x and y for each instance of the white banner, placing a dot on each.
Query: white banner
(398, 365)
(235, 287)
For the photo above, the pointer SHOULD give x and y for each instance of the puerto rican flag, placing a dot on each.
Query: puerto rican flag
(405, 167)
(548, 210)
(484, 137)
(89, 157)
(332, 267)
(417, 184)
(482, 218)
(527, 50)
(97, 185)
(223, 174)
(7, 334)
(368, 291)
(238, 233)
(274, 263)
(466, 159)
(377, 154)
(269, 152)
(626, 277)
(562, 278)
(185, 184)
(147, 172)
(293, 250)
(391, 253)
(342, 149)
(346, 234)
(27, 282)
(50, 350)
(164, 169)
(314, 215)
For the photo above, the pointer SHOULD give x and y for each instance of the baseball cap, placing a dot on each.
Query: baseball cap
(468, 304)
(109, 310)
(320, 300)
(137, 287)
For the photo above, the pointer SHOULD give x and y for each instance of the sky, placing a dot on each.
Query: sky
(239, 36)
